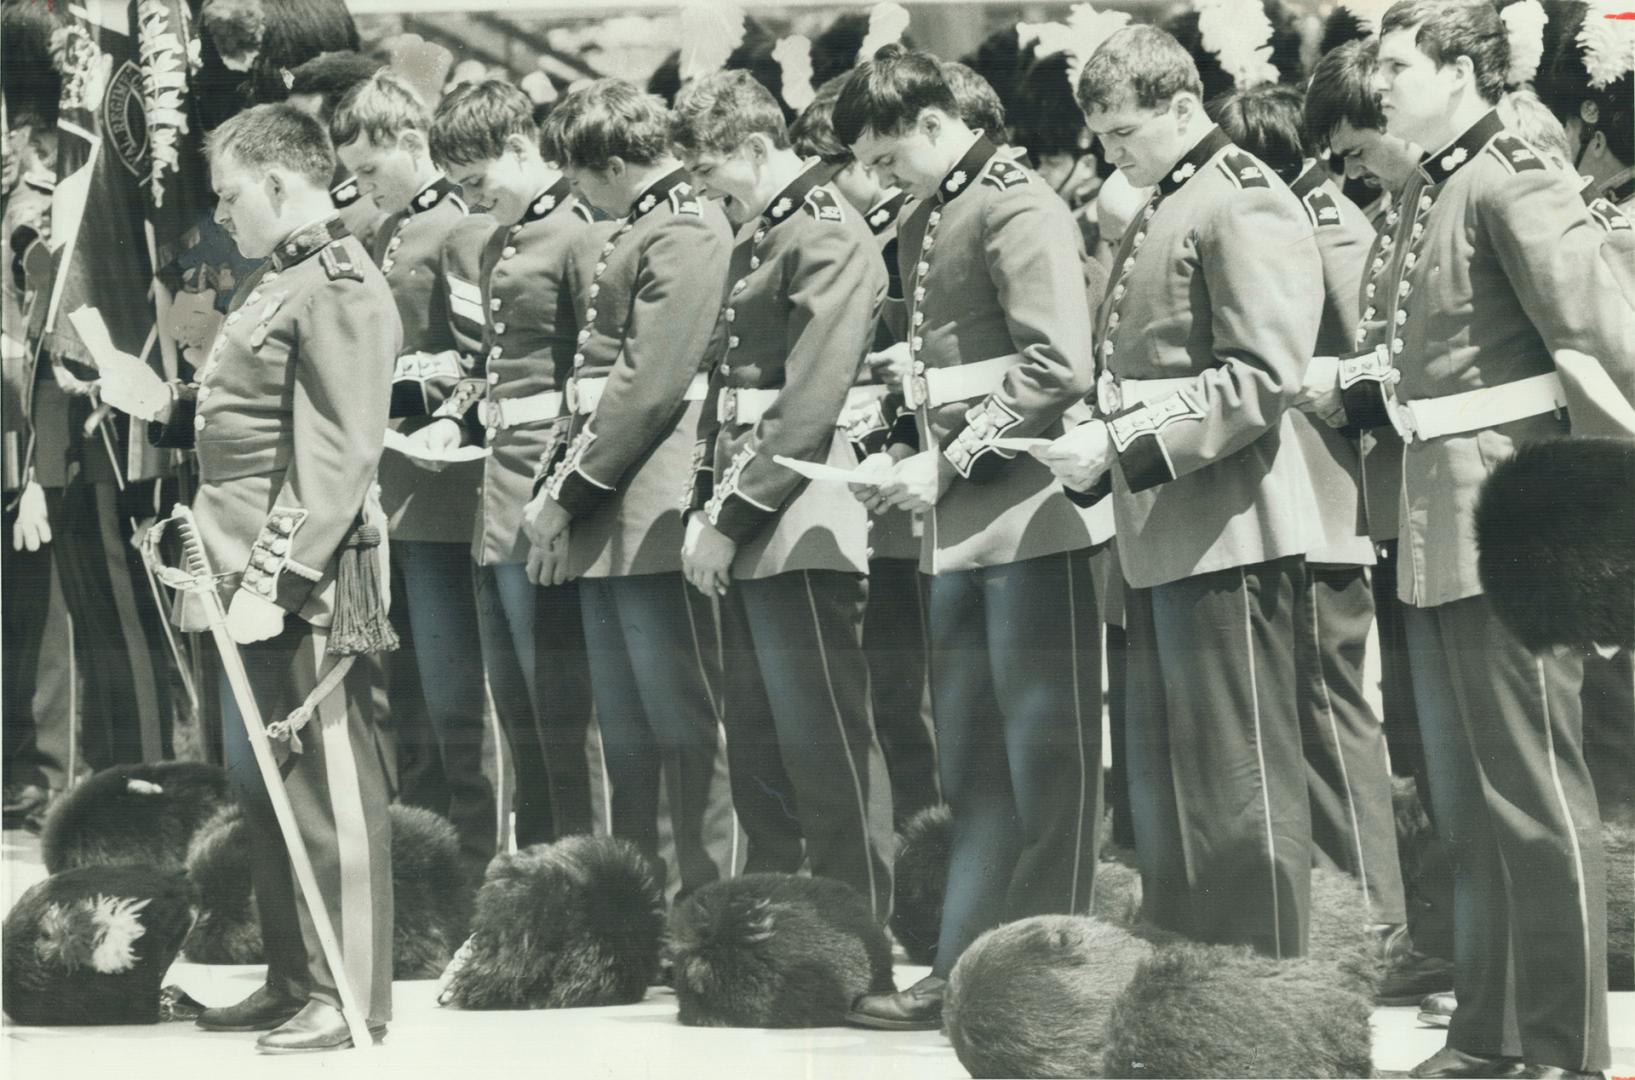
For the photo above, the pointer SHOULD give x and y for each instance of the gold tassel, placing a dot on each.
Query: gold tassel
(360, 625)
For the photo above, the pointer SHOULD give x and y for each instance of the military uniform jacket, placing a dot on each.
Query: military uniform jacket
(1218, 281)
(807, 284)
(991, 269)
(421, 504)
(26, 221)
(289, 420)
(511, 288)
(648, 299)
(1500, 274)
(1333, 457)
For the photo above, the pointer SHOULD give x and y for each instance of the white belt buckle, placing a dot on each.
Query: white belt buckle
(728, 405)
(492, 415)
(1402, 418)
(572, 396)
(917, 387)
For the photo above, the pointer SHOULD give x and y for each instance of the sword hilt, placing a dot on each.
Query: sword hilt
(193, 571)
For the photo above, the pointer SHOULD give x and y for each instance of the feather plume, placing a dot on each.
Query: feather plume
(794, 57)
(1079, 37)
(1608, 42)
(1524, 26)
(886, 25)
(1239, 34)
(118, 929)
(710, 31)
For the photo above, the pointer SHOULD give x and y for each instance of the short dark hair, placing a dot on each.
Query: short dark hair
(32, 83)
(380, 108)
(813, 132)
(278, 135)
(1342, 88)
(887, 93)
(715, 113)
(1142, 62)
(1266, 121)
(612, 118)
(473, 121)
(978, 102)
(1447, 31)
(330, 75)
(1047, 119)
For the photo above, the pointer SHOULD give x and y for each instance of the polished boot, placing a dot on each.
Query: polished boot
(919, 1008)
(318, 1026)
(1437, 1009)
(1456, 1063)
(261, 1011)
(1410, 975)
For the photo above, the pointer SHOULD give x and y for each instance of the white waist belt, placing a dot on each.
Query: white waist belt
(505, 413)
(942, 386)
(1488, 407)
(585, 394)
(743, 405)
(1136, 391)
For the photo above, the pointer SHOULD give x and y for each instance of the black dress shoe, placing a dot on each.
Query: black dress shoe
(1450, 1062)
(919, 1008)
(1411, 975)
(261, 1011)
(1437, 1009)
(315, 1028)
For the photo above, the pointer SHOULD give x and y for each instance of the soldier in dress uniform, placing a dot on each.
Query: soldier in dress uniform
(287, 420)
(380, 134)
(1204, 339)
(646, 300)
(508, 292)
(787, 557)
(895, 636)
(1502, 311)
(1347, 775)
(999, 344)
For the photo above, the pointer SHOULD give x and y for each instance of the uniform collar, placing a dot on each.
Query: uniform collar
(345, 192)
(1451, 158)
(433, 194)
(964, 174)
(307, 241)
(1618, 188)
(1310, 180)
(787, 201)
(884, 214)
(658, 191)
(549, 199)
(1213, 142)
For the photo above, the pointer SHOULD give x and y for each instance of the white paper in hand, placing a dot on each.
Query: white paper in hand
(813, 471)
(396, 440)
(1019, 445)
(123, 381)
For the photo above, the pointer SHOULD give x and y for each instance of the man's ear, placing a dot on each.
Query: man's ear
(930, 123)
(277, 184)
(517, 146)
(616, 167)
(759, 148)
(413, 142)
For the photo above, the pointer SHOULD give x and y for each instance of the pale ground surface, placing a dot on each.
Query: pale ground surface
(634, 1041)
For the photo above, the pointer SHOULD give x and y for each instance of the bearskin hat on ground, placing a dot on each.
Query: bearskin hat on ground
(431, 905)
(1556, 532)
(1032, 998)
(139, 814)
(921, 881)
(91, 945)
(1619, 840)
(776, 951)
(574, 923)
(1115, 894)
(1339, 933)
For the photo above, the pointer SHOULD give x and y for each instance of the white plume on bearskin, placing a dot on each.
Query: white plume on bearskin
(1239, 34)
(887, 24)
(1524, 28)
(1078, 38)
(1608, 42)
(710, 30)
(794, 57)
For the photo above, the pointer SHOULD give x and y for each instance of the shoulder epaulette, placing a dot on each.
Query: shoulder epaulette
(1609, 217)
(823, 206)
(1004, 174)
(338, 264)
(683, 201)
(1514, 153)
(584, 212)
(1321, 208)
(1243, 170)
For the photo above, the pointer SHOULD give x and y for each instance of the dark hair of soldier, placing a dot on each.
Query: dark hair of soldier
(1142, 61)
(1342, 89)
(813, 132)
(611, 118)
(716, 113)
(380, 108)
(1449, 31)
(276, 136)
(978, 103)
(889, 92)
(1563, 83)
(473, 121)
(1265, 120)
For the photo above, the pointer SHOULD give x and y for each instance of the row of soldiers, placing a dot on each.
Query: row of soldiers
(694, 497)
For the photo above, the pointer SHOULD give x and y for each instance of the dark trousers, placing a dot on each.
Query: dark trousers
(37, 681)
(1609, 731)
(533, 644)
(437, 693)
(898, 649)
(337, 788)
(1217, 778)
(801, 748)
(1348, 777)
(1515, 806)
(654, 669)
(120, 643)
(1015, 675)
(1118, 771)
(1398, 713)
